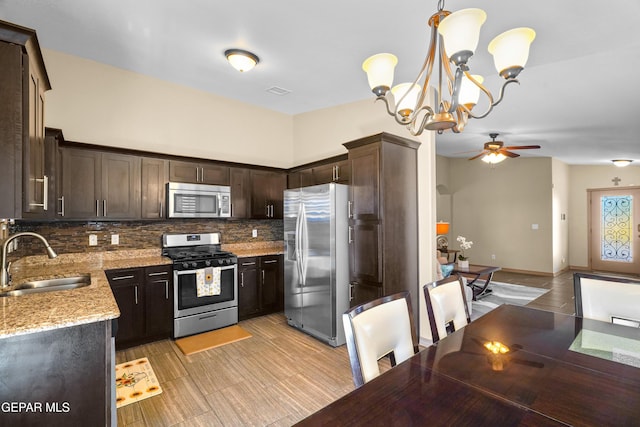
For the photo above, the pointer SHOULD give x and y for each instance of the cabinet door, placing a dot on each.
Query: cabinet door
(214, 174)
(343, 172)
(154, 179)
(184, 171)
(361, 293)
(277, 184)
(271, 281)
(324, 174)
(158, 301)
(240, 180)
(366, 263)
(260, 194)
(34, 182)
(365, 182)
(127, 288)
(120, 186)
(248, 288)
(81, 183)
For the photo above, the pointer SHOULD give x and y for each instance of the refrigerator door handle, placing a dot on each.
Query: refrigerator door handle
(304, 242)
(298, 244)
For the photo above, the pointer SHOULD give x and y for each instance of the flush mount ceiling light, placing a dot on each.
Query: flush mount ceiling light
(241, 60)
(621, 163)
(458, 34)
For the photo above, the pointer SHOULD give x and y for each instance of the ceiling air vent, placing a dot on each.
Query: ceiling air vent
(278, 91)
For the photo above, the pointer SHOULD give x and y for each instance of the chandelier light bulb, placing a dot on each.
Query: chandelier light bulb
(469, 92)
(379, 69)
(461, 32)
(406, 97)
(510, 49)
(241, 60)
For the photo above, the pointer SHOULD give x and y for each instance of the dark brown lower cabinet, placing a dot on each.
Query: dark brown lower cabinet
(65, 375)
(145, 299)
(260, 286)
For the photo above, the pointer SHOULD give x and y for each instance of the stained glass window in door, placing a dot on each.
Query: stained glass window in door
(616, 228)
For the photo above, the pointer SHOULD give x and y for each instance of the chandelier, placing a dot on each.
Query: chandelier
(458, 33)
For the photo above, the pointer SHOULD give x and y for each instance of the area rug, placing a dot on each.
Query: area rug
(135, 381)
(504, 293)
(213, 339)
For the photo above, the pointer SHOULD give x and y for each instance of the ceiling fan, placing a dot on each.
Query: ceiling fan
(494, 151)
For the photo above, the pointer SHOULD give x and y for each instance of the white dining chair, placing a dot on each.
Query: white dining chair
(446, 306)
(379, 328)
(607, 298)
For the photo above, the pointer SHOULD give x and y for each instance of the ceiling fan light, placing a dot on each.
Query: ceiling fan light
(469, 92)
(621, 162)
(461, 31)
(241, 60)
(379, 69)
(511, 48)
(406, 106)
(493, 158)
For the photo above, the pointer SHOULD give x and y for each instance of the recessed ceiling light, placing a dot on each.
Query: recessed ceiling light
(241, 60)
(622, 162)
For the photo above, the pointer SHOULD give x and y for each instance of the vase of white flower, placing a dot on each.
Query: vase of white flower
(463, 260)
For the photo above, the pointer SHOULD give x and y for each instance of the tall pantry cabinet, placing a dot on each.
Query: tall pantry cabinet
(383, 218)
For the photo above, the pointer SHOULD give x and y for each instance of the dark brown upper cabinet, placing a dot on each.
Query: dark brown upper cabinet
(100, 185)
(23, 83)
(198, 172)
(335, 169)
(155, 173)
(267, 194)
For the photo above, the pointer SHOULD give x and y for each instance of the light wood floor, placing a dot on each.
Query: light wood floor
(276, 378)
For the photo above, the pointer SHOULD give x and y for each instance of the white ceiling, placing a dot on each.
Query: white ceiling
(578, 97)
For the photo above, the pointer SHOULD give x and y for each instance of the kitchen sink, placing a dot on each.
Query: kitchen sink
(48, 285)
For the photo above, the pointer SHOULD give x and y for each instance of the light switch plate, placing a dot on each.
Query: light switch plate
(93, 240)
(115, 239)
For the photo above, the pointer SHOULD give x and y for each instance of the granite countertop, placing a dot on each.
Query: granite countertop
(251, 249)
(57, 309)
(52, 310)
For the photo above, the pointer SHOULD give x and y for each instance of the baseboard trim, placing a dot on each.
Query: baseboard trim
(533, 273)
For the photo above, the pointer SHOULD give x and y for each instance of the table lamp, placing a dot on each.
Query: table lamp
(441, 229)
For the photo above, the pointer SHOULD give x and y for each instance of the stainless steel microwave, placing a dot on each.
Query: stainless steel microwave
(198, 200)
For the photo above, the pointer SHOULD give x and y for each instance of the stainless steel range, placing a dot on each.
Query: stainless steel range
(196, 258)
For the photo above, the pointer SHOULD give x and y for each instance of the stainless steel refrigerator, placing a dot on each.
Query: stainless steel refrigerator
(316, 268)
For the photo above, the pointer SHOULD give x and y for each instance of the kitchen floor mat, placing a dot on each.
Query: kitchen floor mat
(135, 381)
(212, 339)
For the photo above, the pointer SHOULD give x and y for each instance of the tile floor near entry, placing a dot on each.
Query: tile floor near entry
(277, 377)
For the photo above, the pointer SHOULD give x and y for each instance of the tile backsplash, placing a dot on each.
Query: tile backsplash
(73, 237)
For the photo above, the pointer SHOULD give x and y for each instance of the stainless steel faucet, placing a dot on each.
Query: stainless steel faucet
(4, 274)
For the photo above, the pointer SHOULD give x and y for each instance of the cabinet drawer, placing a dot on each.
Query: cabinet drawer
(124, 276)
(250, 262)
(158, 272)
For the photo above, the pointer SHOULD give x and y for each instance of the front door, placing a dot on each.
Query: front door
(614, 240)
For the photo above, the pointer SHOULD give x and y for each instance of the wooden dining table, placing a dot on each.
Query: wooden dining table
(559, 370)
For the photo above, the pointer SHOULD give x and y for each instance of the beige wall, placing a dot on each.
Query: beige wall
(100, 104)
(495, 208)
(581, 179)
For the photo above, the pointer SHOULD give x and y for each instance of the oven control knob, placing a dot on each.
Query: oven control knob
(194, 264)
(220, 261)
(229, 261)
(207, 263)
(185, 265)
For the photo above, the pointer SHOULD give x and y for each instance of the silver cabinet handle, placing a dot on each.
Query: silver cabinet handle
(350, 234)
(45, 192)
(160, 273)
(242, 279)
(201, 174)
(351, 291)
(123, 277)
(337, 172)
(271, 261)
(61, 213)
(248, 263)
(104, 208)
(262, 276)
(97, 207)
(166, 289)
(160, 211)
(136, 289)
(350, 209)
